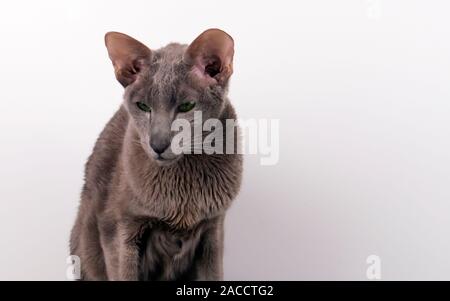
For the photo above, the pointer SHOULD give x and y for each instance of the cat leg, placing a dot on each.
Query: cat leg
(85, 243)
(128, 252)
(209, 263)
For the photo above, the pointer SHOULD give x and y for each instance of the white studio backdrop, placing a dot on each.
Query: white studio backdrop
(361, 90)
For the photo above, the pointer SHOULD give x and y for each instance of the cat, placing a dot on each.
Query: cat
(146, 212)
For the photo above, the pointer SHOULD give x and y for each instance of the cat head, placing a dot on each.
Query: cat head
(171, 83)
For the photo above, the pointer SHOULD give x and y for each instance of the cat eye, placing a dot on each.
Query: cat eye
(143, 107)
(186, 107)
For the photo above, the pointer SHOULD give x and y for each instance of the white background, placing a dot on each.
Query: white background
(361, 88)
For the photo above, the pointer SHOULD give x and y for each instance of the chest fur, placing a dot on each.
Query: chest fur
(166, 254)
(197, 187)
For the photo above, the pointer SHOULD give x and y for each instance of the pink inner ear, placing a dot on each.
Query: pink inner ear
(212, 67)
(129, 56)
(211, 56)
(203, 78)
(205, 70)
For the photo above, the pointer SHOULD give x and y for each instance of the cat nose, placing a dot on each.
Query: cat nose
(159, 148)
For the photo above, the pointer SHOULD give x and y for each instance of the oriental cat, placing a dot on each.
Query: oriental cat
(146, 211)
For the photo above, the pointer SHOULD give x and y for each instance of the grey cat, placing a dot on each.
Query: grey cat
(147, 213)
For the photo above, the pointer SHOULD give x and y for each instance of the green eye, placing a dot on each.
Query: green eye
(142, 106)
(186, 107)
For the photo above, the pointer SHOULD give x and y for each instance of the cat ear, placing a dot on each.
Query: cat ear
(211, 57)
(128, 56)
